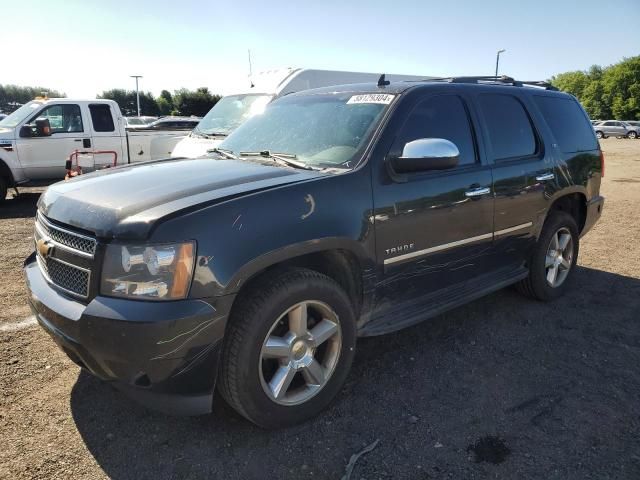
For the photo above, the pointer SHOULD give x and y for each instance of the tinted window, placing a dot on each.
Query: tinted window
(508, 124)
(63, 118)
(440, 117)
(608, 124)
(568, 123)
(101, 118)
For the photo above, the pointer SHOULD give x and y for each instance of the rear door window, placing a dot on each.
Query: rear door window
(443, 116)
(102, 118)
(508, 125)
(569, 125)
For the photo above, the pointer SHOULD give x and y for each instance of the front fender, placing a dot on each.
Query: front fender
(240, 237)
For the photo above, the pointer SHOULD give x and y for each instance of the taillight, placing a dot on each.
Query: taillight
(601, 164)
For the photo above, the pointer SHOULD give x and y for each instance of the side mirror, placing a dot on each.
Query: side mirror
(41, 128)
(426, 154)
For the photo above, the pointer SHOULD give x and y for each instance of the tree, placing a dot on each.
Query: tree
(13, 96)
(198, 103)
(126, 100)
(609, 92)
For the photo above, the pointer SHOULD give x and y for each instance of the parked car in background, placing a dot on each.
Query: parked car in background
(616, 128)
(340, 212)
(634, 124)
(37, 139)
(138, 122)
(174, 123)
(595, 122)
(232, 110)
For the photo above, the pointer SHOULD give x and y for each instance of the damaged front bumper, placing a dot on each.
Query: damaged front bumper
(163, 354)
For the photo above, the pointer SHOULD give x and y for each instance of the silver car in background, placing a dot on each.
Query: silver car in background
(616, 128)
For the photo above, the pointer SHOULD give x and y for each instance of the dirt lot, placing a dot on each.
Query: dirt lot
(504, 387)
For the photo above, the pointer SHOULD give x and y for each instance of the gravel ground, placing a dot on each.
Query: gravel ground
(504, 387)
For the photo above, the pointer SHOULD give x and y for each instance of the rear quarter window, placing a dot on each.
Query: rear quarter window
(569, 125)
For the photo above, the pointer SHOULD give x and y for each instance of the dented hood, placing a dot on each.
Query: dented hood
(126, 202)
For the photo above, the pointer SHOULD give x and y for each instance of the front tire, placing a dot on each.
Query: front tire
(553, 259)
(288, 348)
(632, 135)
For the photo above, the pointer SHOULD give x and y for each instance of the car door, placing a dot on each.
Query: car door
(107, 135)
(433, 229)
(521, 174)
(45, 157)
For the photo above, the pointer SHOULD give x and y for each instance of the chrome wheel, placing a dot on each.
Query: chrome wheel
(300, 353)
(559, 258)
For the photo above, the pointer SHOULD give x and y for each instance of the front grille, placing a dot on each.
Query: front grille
(67, 262)
(69, 277)
(72, 240)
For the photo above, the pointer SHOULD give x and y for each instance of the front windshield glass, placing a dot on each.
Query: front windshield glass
(19, 115)
(328, 130)
(230, 112)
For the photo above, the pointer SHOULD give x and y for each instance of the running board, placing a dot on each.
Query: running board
(389, 320)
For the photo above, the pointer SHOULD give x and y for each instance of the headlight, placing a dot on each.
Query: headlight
(148, 272)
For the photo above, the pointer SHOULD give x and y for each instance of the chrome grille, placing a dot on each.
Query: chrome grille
(67, 263)
(69, 277)
(66, 238)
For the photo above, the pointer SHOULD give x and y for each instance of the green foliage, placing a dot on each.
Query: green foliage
(198, 103)
(13, 96)
(181, 102)
(126, 100)
(609, 92)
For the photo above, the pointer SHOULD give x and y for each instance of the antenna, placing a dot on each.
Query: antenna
(382, 82)
(250, 69)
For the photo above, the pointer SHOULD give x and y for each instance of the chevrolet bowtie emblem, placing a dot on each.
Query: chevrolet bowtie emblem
(44, 249)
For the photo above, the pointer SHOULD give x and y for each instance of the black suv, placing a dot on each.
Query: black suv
(337, 213)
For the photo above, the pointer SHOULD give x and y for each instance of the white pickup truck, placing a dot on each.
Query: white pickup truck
(37, 139)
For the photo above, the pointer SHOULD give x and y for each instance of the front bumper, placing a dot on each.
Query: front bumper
(163, 354)
(594, 211)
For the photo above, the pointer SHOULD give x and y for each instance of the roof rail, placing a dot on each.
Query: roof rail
(501, 80)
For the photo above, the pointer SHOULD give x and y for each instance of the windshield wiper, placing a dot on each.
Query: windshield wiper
(288, 159)
(196, 132)
(226, 153)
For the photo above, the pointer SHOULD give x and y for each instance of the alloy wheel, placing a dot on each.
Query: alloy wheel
(559, 258)
(300, 353)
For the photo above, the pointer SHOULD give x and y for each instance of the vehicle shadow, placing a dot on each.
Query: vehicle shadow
(557, 382)
(22, 206)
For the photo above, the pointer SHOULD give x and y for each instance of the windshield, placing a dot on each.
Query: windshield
(328, 130)
(230, 112)
(19, 115)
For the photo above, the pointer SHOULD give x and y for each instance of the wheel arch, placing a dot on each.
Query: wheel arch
(336, 258)
(574, 203)
(5, 172)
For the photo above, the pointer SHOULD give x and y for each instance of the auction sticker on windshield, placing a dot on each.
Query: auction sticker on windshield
(383, 98)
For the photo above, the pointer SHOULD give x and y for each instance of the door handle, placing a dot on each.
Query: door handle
(77, 140)
(545, 176)
(477, 192)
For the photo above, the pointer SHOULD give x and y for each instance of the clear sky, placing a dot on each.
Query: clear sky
(84, 47)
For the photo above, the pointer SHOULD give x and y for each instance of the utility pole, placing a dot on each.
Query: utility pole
(498, 59)
(137, 91)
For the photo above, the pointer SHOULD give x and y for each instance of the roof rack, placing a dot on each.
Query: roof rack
(501, 80)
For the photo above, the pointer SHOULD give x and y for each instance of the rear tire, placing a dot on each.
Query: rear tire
(3, 189)
(556, 251)
(288, 348)
(599, 135)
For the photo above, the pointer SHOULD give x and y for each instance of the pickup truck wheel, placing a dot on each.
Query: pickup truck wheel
(554, 258)
(288, 348)
(3, 189)
(599, 135)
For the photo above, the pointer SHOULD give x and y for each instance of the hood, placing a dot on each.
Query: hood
(6, 133)
(126, 202)
(193, 147)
